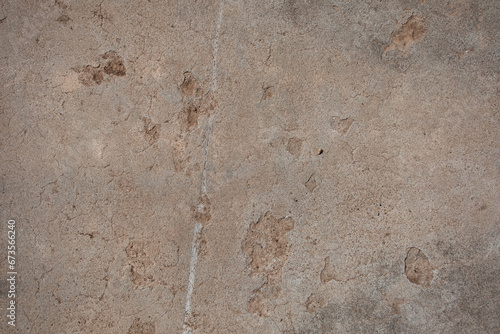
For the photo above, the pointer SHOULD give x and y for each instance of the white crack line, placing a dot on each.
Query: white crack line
(187, 329)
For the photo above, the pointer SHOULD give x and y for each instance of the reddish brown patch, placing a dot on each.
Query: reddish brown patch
(410, 32)
(418, 268)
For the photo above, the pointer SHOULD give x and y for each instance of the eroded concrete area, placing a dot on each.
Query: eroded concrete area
(251, 167)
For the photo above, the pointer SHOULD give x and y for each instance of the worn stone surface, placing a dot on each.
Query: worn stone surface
(251, 167)
(418, 268)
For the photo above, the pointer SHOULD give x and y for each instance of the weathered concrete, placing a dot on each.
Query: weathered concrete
(251, 167)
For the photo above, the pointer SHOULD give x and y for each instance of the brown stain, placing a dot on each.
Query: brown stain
(139, 263)
(125, 185)
(113, 66)
(201, 241)
(202, 212)
(396, 304)
(151, 131)
(266, 244)
(191, 114)
(267, 93)
(63, 19)
(314, 303)
(61, 4)
(341, 125)
(410, 32)
(294, 146)
(179, 157)
(197, 102)
(266, 247)
(142, 327)
(311, 183)
(418, 268)
(190, 87)
(327, 274)
(261, 304)
(147, 260)
(90, 75)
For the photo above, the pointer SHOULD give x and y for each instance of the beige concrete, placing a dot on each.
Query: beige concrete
(251, 166)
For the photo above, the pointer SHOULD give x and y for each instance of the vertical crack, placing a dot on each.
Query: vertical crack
(198, 227)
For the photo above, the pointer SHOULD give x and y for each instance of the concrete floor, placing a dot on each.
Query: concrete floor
(252, 167)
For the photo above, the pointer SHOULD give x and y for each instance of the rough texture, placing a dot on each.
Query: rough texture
(267, 249)
(418, 268)
(244, 167)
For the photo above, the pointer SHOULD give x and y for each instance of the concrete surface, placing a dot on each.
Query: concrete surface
(251, 166)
